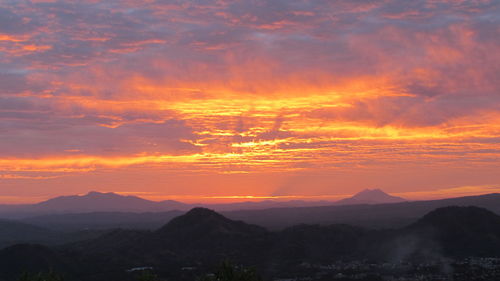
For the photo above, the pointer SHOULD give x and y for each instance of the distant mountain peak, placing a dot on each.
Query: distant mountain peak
(93, 192)
(102, 194)
(90, 193)
(371, 196)
(371, 193)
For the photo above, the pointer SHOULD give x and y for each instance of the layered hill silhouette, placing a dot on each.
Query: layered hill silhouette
(109, 202)
(103, 220)
(382, 215)
(12, 231)
(389, 215)
(204, 237)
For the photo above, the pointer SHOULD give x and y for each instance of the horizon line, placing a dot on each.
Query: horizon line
(437, 194)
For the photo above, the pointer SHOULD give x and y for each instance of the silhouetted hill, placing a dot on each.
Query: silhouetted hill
(203, 234)
(461, 231)
(460, 218)
(202, 221)
(370, 196)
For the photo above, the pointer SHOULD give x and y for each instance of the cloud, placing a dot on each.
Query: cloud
(251, 85)
(75, 137)
(12, 23)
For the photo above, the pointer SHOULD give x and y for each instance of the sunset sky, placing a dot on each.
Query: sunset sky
(221, 100)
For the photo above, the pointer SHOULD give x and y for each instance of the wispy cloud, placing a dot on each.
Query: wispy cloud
(248, 86)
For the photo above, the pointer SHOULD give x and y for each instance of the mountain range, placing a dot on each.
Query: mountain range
(90, 202)
(387, 215)
(60, 228)
(201, 237)
(112, 202)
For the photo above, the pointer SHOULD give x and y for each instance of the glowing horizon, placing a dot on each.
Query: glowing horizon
(437, 194)
(236, 100)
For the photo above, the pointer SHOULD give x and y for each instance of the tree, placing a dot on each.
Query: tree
(229, 272)
(147, 275)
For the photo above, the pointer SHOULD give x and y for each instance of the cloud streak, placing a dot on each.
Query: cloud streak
(233, 86)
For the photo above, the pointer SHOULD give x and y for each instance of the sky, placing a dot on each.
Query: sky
(229, 100)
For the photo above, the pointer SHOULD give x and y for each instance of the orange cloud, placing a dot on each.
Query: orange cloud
(231, 89)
